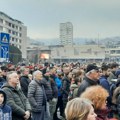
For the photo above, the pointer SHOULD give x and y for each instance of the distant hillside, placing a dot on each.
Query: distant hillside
(56, 41)
(79, 41)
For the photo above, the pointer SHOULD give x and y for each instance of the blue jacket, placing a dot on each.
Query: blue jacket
(5, 110)
(105, 84)
(59, 85)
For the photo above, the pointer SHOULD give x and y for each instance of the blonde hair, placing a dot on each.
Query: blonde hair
(78, 109)
(97, 94)
(23, 69)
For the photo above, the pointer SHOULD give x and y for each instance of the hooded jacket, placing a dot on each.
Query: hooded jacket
(5, 110)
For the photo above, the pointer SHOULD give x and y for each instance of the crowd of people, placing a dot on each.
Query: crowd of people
(67, 91)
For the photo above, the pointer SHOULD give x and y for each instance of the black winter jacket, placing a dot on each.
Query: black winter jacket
(17, 101)
(85, 83)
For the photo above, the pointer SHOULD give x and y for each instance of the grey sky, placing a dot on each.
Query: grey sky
(90, 18)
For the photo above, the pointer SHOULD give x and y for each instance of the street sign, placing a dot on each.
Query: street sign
(5, 52)
(4, 46)
(4, 38)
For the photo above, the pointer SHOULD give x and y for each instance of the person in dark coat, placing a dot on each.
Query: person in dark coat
(2, 80)
(53, 102)
(103, 79)
(116, 102)
(15, 98)
(24, 80)
(59, 105)
(114, 67)
(37, 97)
(65, 89)
(91, 78)
(105, 84)
(4, 71)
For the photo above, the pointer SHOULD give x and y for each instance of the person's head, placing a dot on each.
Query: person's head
(92, 72)
(37, 75)
(66, 70)
(77, 75)
(105, 70)
(13, 78)
(60, 74)
(79, 109)
(2, 97)
(77, 72)
(25, 71)
(4, 70)
(114, 66)
(52, 70)
(70, 75)
(98, 95)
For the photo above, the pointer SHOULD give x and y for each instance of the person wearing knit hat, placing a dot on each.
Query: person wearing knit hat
(91, 78)
(91, 67)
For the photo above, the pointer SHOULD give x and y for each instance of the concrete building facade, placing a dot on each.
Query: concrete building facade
(66, 33)
(17, 31)
(73, 53)
(78, 53)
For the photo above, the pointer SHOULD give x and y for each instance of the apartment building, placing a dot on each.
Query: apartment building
(17, 31)
(66, 33)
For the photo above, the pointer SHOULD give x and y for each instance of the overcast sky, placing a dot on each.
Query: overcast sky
(90, 18)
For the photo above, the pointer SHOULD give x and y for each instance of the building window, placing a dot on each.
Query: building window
(12, 44)
(16, 40)
(1, 20)
(10, 24)
(7, 23)
(19, 47)
(118, 51)
(13, 26)
(17, 27)
(13, 32)
(9, 31)
(1, 28)
(20, 28)
(12, 38)
(20, 41)
(20, 35)
(112, 51)
(16, 33)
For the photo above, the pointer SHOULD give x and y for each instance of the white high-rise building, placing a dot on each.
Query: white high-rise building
(66, 33)
(17, 31)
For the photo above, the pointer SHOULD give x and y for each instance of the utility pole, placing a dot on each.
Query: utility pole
(38, 55)
(98, 39)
